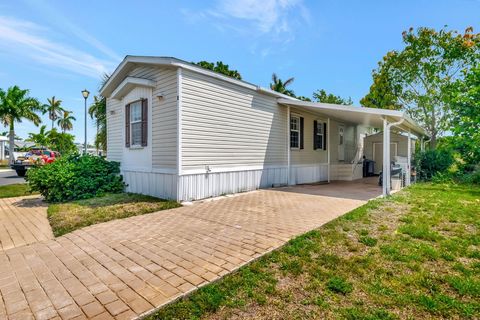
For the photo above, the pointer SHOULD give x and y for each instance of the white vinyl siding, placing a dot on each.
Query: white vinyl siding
(226, 126)
(115, 140)
(307, 156)
(164, 114)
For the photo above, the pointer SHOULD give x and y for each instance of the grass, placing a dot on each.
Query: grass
(414, 255)
(69, 216)
(14, 190)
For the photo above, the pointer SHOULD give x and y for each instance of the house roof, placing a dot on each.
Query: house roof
(358, 115)
(131, 62)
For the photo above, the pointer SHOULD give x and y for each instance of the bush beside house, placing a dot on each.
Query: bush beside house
(76, 177)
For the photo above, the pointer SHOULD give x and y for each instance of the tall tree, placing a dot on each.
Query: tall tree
(40, 139)
(15, 106)
(281, 86)
(220, 67)
(322, 96)
(54, 109)
(65, 122)
(418, 78)
(465, 104)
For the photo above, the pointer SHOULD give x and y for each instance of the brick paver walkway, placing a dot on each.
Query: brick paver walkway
(126, 268)
(23, 221)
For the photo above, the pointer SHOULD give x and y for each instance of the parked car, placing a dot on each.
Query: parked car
(33, 157)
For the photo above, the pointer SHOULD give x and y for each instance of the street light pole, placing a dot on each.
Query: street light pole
(85, 94)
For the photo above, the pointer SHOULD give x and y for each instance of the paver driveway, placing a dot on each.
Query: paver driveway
(126, 268)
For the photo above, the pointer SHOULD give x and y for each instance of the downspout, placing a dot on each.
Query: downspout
(386, 155)
(288, 146)
(409, 159)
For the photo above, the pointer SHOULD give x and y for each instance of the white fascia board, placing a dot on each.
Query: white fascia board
(128, 84)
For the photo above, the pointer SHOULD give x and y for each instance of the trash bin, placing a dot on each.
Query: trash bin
(368, 168)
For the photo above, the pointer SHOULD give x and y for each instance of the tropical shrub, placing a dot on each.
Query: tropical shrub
(76, 177)
(431, 162)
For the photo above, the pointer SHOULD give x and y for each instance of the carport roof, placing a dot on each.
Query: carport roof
(358, 115)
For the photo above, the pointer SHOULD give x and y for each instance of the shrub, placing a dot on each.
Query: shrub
(431, 162)
(76, 177)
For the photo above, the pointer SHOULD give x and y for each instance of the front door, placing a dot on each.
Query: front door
(341, 143)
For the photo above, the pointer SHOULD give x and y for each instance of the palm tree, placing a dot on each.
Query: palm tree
(40, 139)
(281, 86)
(15, 106)
(54, 109)
(65, 122)
(98, 111)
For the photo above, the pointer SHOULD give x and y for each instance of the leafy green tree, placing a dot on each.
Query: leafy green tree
(40, 139)
(54, 109)
(465, 103)
(15, 106)
(281, 86)
(303, 98)
(65, 121)
(419, 77)
(324, 97)
(61, 142)
(220, 67)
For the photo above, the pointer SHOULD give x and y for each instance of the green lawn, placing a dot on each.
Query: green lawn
(69, 216)
(14, 190)
(414, 255)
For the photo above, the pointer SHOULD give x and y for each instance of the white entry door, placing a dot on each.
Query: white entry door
(341, 143)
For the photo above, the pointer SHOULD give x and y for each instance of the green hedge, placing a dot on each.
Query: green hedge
(431, 162)
(76, 177)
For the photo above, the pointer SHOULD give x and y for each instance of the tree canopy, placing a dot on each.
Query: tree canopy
(465, 103)
(220, 67)
(322, 96)
(419, 78)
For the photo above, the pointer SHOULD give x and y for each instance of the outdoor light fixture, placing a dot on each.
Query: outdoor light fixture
(85, 94)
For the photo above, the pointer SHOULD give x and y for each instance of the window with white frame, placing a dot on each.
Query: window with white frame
(319, 135)
(136, 123)
(294, 132)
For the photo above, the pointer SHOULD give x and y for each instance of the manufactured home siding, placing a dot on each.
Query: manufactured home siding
(400, 140)
(226, 126)
(307, 155)
(115, 140)
(164, 114)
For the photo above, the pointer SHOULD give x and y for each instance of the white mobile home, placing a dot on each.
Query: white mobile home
(183, 132)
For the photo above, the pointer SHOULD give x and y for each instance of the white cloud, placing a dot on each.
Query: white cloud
(275, 18)
(25, 38)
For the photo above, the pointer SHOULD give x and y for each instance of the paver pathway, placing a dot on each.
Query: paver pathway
(126, 268)
(23, 220)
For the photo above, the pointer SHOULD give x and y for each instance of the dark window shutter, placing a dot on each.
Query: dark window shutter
(127, 126)
(144, 122)
(315, 131)
(301, 132)
(325, 136)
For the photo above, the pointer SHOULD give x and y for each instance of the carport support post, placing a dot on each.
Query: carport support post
(328, 148)
(409, 159)
(386, 159)
(288, 145)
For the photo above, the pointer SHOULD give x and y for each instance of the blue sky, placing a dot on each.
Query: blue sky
(61, 47)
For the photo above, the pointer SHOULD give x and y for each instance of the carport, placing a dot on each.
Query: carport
(382, 119)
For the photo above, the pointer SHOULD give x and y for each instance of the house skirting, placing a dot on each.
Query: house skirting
(195, 186)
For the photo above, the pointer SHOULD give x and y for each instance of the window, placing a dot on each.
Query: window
(294, 132)
(319, 135)
(136, 123)
(136, 120)
(340, 134)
